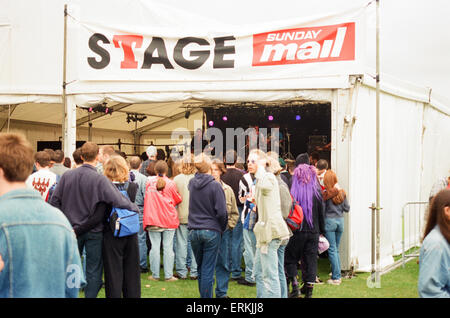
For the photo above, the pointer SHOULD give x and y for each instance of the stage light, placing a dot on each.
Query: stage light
(270, 117)
(211, 123)
(101, 109)
(298, 117)
(224, 118)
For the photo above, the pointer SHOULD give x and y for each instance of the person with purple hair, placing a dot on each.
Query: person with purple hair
(304, 243)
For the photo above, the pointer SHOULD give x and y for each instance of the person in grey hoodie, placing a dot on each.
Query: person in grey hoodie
(207, 221)
(286, 204)
(58, 168)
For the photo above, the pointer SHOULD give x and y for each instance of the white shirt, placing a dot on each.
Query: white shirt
(320, 177)
(41, 181)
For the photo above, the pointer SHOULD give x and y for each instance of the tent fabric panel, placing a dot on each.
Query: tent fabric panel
(400, 137)
(436, 150)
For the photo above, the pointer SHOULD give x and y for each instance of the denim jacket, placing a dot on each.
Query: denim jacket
(434, 268)
(38, 247)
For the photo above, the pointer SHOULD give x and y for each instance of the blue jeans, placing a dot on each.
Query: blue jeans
(281, 274)
(83, 262)
(143, 251)
(236, 247)
(249, 254)
(223, 269)
(181, 252)
(190, 257)
(155, 252)
(92, 242)
(266, 272)
(334, 227)
(205, 245)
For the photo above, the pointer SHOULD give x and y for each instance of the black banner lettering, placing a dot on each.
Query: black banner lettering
(158, 45)
(104, 54)
(202, 56)
(220, 50)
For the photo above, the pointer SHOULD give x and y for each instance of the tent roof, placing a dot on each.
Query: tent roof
(36, 28)
(52, 114)
(408, 29)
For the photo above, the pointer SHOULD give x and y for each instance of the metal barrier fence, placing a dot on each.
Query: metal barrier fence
(413, 219)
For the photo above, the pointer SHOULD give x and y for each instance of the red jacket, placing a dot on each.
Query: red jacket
(159, 206)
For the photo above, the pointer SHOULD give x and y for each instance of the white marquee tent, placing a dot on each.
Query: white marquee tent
(161, 58)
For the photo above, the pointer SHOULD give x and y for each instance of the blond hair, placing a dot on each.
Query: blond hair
(176, 168)
(273, 163)
(116, 169)
(260, 154)
(202, 163)
(187, 165)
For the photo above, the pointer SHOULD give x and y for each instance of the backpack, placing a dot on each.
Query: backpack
(295, 217)
(123, 222)
(251, 218)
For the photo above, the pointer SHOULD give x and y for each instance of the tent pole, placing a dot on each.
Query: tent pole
(378, 270)
(90, 129)
(135, 137)
(373, 239)
(64, 98)
(9, 117)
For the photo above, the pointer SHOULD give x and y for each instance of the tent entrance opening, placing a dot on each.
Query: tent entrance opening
(305, 128)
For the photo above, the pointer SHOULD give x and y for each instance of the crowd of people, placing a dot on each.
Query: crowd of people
(206, 214)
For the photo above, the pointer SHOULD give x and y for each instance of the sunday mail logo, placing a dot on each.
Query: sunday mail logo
(305, 45)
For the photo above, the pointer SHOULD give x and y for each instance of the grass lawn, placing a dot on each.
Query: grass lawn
(399, 283)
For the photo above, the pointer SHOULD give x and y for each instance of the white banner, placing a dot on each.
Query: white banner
(319, 46)
(5, 55)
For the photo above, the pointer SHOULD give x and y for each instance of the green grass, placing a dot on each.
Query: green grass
(399, 283)
(413, 250)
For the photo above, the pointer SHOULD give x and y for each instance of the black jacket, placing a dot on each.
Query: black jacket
(318, 217)
(103, 211)
(80, 190)
(232, 178)
(287, 178)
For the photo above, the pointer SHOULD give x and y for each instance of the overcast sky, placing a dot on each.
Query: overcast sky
(422, 29)
(415, 44)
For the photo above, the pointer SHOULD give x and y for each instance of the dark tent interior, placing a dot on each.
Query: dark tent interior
(304, 128)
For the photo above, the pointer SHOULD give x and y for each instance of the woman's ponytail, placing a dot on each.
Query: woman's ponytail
(160, 183)
(161, 169)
